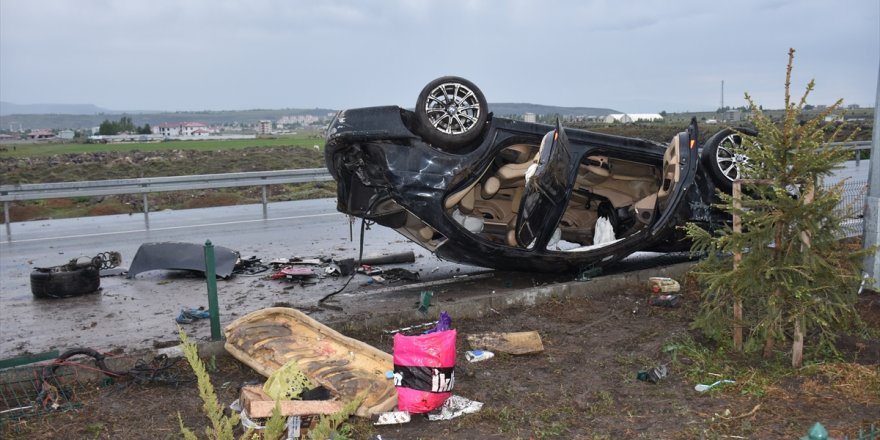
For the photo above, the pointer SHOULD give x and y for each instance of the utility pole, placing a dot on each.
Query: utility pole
(872, 201)
(723, 118)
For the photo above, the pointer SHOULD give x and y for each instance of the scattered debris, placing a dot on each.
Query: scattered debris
(410, 328)
(702, 388)
(510, 343)
(187, 316)
(258, 404)
(114, 272)
(393, 418)
(366, 269)
(181, 256)
(478, 355)
(425, 300)
(346, 266)
(424, 370)
(588, 273)
(294, 273)
(400, 274)
(399, 258)
(664, 300)
(443, 324)
(862, 284)
(654, 375)
(455, 406)
(664, 285)
(250, 266)
(269, 338)
(80, 276)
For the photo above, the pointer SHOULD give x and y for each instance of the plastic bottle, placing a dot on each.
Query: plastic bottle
(478, 355)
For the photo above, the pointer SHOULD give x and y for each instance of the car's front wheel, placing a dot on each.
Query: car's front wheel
(451, 112)
(723, 157)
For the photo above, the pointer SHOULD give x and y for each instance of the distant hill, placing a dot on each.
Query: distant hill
(506, 108)
(8, 108)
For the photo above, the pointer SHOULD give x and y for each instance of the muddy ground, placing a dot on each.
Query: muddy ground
(583, 385)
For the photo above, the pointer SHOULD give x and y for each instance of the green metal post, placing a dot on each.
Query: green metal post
(213, 304)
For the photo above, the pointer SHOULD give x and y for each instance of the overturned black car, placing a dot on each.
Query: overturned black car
(512, 195)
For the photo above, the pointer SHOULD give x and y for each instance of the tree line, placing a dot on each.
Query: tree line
(123, 125)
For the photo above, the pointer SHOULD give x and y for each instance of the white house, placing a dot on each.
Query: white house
(632, 117)
(172, 129)
(617, 117)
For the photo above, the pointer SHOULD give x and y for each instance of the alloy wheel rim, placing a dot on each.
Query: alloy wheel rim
(727, 157)
(453, 108)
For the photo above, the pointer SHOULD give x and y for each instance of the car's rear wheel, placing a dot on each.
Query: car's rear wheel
(723, 157)
(451, 112)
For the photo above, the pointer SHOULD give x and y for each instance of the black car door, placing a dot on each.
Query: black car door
(547, 191)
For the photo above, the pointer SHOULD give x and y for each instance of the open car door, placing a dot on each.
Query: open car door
(547, 190)
(679, 169)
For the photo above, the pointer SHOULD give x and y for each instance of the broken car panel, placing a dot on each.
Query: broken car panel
(181, 256)
(515, 195)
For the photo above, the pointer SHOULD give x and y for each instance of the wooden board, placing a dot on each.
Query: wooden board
(510, 343)
(259, 405)
(267, 339)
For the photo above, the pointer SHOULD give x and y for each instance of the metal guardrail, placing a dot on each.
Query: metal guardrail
(146, 185)
(37, 191)
(857, 146)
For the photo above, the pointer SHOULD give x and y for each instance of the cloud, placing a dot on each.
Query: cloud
(201, 54)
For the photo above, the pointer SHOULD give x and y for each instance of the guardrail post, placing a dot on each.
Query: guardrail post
(6, 217)
(211, 278)
(146, 212)
(265, 203)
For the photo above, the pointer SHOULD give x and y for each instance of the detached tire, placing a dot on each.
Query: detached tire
(722, 156)
(451, 112)
(58, 282)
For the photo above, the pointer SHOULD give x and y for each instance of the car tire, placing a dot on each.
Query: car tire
(451, 112)
(52, 283)
(720, 156)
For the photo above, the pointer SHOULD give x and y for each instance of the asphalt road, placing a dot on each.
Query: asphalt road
(138, 312)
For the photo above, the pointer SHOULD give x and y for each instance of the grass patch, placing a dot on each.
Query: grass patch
(754, 378)
(49, 149)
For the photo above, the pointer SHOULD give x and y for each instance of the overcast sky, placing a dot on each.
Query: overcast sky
(633, 56)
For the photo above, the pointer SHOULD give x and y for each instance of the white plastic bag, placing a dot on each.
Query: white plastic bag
(604, 231)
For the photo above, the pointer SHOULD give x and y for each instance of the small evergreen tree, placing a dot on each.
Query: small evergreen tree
(796, 275)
